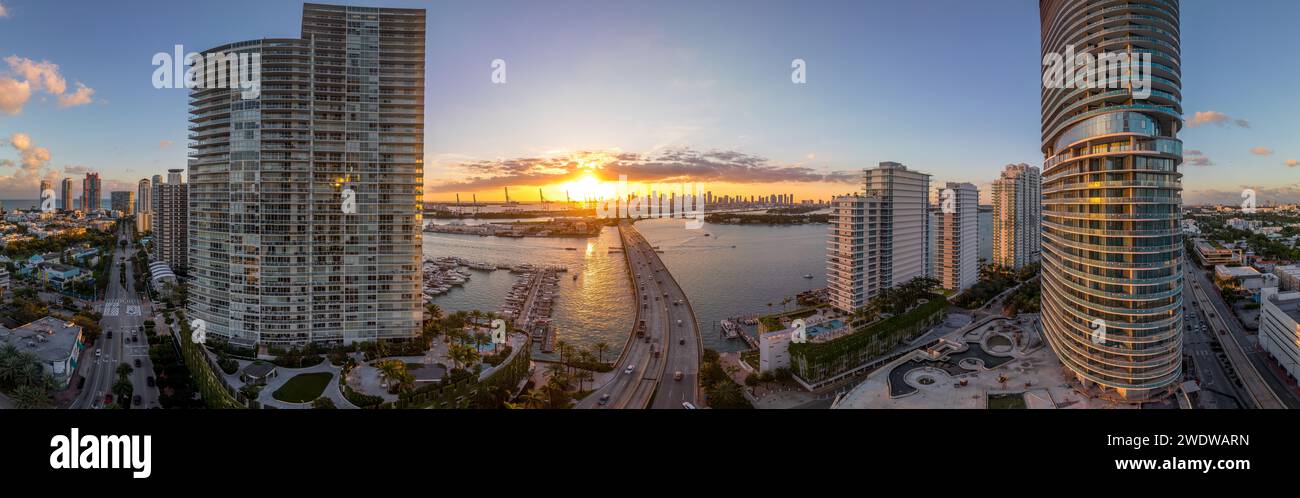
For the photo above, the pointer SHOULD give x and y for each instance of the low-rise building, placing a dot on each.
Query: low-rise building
(1288, 277)
(59, 276)
(56, 343)
(1212, 254)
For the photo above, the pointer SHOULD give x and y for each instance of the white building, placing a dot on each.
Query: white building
(54, 342)
(956, 236)
(1279, 328)
(880, 238)
(1288, 277)
(774, 350)
(1017, 216)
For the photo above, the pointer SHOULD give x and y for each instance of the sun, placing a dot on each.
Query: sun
(586, 187)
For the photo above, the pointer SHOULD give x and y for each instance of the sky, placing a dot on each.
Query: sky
(664, 91)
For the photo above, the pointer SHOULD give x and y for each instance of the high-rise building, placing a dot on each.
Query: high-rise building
(171, 219)
(45, 185)
(278, 257)
(1017, 207)
(91, 193)
(144, 196)
(1111, 244)
(878, 239)
(123, 201)
(66, 196)
(956, 234)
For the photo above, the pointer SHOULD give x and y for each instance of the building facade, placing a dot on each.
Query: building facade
(1017, 212)
(306, 200)
(956, 236)
(880, 238)
(1112, 196)
(1279, 328)
(171, 219)
(65, 199)
(122, 201)
(92, 193)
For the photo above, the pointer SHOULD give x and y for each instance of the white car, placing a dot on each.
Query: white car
(629, 369)
(97, 353)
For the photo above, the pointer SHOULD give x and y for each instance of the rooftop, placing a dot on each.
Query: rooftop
(1236, 271)
(49, 338)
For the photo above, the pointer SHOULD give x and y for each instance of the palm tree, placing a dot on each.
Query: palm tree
(393, 372)
(30, 397)
(601, 347)
(535, 398)
(435, 311)
(124, 370)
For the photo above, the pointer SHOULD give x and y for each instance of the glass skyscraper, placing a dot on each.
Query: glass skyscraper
(1112, 195)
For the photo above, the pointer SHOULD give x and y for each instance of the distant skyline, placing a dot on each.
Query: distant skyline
(664, 91)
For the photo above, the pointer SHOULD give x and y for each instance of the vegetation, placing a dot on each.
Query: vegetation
(303, 387)
(23, 378)
(721, 391)
(1026, 299)
(815, 362)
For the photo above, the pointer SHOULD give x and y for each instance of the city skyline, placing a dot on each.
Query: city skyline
(723, 114)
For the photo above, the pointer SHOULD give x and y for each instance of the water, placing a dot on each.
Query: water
(766, 265)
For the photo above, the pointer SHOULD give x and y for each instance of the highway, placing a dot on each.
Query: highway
(1217, 389)
(123, 312)
(671, 329)
(1261, 386)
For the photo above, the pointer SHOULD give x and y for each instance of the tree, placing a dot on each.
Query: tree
(535, 398)
(124, 370)
(601, 347)
(323, 403)
(30, 397)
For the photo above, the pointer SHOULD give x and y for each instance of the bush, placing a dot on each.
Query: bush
(323, 403)
(752, 380)
(228, 365)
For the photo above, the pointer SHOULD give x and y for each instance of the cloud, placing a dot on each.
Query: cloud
(75, 169)
(31, 155)
(1215, 117)
(666, 166)
(27, 76)
(23, 183)
(163, 144)
(1283, 194)
(13, 95)
(4, 12)
(79, 97)
(1196, 158)
(1291, 163)
(1261, 151)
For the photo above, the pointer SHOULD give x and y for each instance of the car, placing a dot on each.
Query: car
(137, 363)
(629, 369)
(604, 400)
(135, 400)
(97, 352)
(679, 323)
(681, 342)
(677, 375)
(81, 382)
(148, 381)
(687, 405)
(110, 334)
(108, 399)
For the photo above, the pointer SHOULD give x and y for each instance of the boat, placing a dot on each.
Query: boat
(570, 248)
(807, 275)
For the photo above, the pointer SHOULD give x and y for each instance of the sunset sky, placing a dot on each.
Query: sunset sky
(672, 91)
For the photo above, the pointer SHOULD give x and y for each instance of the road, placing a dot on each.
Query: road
(1262, 388)
(671, 329)
(123, 312)
(1217, 389)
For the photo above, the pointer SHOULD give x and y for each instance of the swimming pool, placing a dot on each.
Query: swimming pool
(825, 327)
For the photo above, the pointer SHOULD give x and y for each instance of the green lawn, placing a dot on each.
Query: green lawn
(303, 388)
(1007, 402)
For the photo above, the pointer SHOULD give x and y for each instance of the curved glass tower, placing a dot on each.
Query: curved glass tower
(1111, 190)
